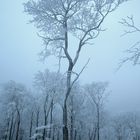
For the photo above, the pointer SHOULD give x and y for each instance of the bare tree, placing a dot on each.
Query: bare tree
(75, 104)
(57, 19)
(97, 93)
(133, 53)
(126, 126)
(49, 83)
(13, 97)
(119, 128)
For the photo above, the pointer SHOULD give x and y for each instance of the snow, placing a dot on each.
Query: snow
(49, 126)
(36, 135)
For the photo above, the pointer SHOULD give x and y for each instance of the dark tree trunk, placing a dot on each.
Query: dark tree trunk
(89, 135)
(31, 125)
(51, 118)
(45, 123)
(13, 131)
(37, 120)
(75, 135)
(7, 129)
(53, 136)
(71, 120)
(18, 125)
(98, 123)
(94, 136)
(65, 128)
(71, 131)
(45, 116)
(11, 127)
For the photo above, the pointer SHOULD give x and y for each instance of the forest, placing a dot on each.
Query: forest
(60, 105)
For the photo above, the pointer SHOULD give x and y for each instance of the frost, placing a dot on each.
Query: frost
(49, 126)
(36, 135)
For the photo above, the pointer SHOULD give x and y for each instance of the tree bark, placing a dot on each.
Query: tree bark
(45, 116)
(13, 131)
(11, 127)
(45, 123)
(65, 127)
(98, 123)
(71, 120)
(51, 118)
(37, 121)
(75, 135)
(94, 136)
(18, 125)
(7, 129)
(31, 126)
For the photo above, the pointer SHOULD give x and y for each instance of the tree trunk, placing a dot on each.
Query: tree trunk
(45, 116)
(71, 120)
(31, 126)
(7, 129)
(11, 127)
(13, 131)
(51, 118)
(98, 123)
(37, 121)
(71, 131)
(53, 136)
(75, 135)
(89, 135)
(65, 128)
(18, 125)
(69, 72)
(58, 135)
(94, 136)
(45, 123)
(46, 113)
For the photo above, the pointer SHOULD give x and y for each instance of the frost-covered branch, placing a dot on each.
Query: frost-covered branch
(133, 53)
(129, 23)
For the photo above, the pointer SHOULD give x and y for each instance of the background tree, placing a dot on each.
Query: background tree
(49, 84)
(97, 92)
(14, 95)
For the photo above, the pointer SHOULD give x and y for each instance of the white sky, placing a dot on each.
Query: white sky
(19, 48)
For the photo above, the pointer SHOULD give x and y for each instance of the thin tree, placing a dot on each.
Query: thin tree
(97, 93)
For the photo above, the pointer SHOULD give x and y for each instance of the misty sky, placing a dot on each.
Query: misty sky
(20, 45)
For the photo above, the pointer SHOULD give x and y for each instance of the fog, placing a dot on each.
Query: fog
(20, 46)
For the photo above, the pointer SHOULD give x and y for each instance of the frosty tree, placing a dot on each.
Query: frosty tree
(57, 19)
(50, 84)
(134, 51)
(14, 97)
(98, 93)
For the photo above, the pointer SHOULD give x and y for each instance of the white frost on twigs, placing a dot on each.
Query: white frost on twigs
(36, 135)
(49, 126)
